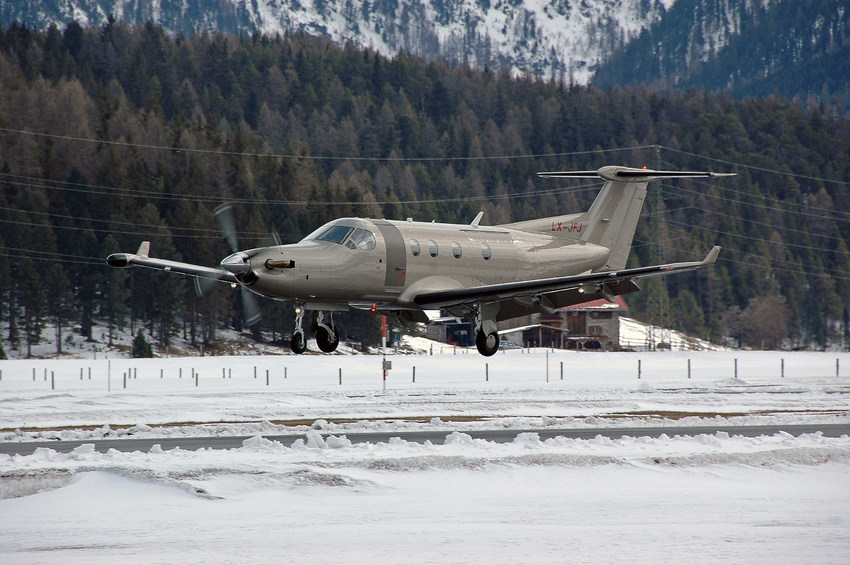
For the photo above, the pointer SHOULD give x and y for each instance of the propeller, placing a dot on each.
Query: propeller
(238, 263)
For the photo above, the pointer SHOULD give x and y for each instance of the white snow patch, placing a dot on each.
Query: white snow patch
(716, 497)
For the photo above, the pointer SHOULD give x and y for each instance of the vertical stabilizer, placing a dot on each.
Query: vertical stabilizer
(614, 214)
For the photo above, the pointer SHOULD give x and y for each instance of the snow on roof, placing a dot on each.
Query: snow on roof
(600, 304)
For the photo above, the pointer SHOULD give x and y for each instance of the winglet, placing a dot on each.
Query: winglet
(144, 249)
(477, 219)
(712, 256)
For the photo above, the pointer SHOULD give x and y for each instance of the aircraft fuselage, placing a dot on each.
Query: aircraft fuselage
(329, 270)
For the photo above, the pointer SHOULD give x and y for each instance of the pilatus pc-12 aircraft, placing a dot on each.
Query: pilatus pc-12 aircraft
(484, 274)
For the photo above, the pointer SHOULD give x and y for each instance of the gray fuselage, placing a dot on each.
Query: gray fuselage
(408, 258)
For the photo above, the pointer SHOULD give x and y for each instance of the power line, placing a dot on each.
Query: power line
(752, 167)
(812, 211)
(779, 228)
(312, 157)
(767, 242)
(28, 182)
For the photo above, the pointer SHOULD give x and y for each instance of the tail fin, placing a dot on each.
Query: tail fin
(614, 214)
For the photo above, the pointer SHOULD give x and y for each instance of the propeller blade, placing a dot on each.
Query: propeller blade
(202, 285)
(224, 215)
(271, 240)
(236, 263)
(250, 308)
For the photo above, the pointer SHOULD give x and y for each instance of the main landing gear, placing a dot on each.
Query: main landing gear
(327, 336)
(486, 335)
(487, 343)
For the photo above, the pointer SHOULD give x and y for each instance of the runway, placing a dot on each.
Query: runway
(435, 437)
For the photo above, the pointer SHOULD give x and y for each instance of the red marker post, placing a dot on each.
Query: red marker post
(384, 350)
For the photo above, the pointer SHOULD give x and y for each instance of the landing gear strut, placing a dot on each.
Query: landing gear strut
(298, 343)
(486, 336)
(327, 338)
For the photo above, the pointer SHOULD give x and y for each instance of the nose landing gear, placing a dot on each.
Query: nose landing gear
(327, 337)
(298, 343)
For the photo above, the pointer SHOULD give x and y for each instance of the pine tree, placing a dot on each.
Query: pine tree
(60, 303)
(113, 293)
(141, 346)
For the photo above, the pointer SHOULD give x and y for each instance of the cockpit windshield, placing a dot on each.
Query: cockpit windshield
(353, 238)
(335, 234)
(362, 239)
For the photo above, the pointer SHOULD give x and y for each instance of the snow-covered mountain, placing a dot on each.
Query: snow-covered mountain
(560, 38)
(748, 47)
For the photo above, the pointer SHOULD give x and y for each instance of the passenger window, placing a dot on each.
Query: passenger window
(485, 251)
(457, 251)
(414, 248)
(432, 248)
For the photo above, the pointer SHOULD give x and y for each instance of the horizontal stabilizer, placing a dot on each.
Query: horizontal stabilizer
(568, 174)
(626, 174)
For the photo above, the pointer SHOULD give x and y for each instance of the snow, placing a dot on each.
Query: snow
(709, 497)
(638, 335)
(539, 35)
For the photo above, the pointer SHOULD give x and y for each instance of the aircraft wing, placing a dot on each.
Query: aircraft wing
(141, 259)
(492, 292)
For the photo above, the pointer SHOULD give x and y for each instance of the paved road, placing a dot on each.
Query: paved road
(436, 437)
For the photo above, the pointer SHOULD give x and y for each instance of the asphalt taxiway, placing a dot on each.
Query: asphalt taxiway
(130, 444)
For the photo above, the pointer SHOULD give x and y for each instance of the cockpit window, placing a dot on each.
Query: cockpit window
(335, 234)
(362, 239)
(351, 237)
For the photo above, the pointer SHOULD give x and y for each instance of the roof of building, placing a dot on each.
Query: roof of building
(600, 304)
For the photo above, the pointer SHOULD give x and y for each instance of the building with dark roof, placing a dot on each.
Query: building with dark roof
(591, 325)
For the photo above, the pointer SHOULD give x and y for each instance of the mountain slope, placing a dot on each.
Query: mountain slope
(556, 38)
(748, 48)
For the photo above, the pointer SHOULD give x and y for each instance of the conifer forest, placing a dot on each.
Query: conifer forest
(118, 134)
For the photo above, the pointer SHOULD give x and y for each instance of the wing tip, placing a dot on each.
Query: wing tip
(712, 255)
(144, 249)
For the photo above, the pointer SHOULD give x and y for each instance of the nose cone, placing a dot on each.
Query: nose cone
(239, 263)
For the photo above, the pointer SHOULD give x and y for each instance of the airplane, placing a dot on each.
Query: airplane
(484, 274)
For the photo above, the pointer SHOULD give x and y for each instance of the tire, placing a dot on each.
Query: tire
(487, 344)
(298, 343)
(326, 341)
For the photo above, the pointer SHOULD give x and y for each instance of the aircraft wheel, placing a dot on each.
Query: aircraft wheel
(487, 344)
(327, 341)
(298, 343)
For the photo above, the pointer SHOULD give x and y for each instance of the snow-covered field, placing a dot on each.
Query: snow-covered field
(707, 498)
